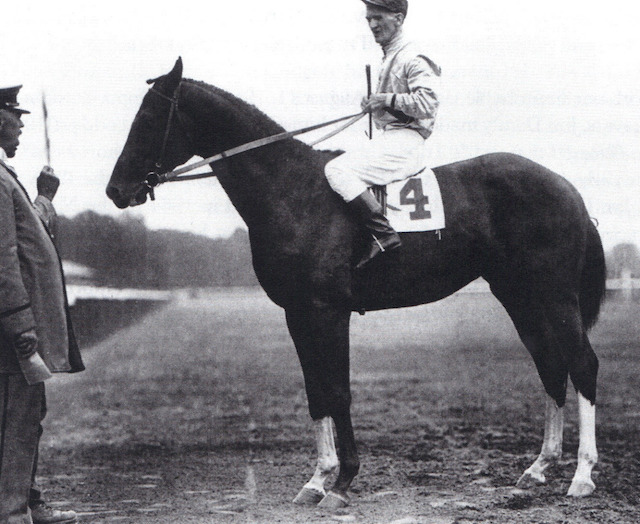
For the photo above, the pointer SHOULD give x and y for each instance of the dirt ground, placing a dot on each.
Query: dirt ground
(197, 414)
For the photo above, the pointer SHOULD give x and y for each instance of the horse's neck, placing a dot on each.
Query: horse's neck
(225, 120)
(261, 181)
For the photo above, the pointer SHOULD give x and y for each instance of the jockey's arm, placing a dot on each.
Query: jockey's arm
(420, 102)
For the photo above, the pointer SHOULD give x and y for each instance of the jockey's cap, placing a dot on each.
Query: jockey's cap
(395, 6)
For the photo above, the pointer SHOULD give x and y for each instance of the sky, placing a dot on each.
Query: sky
(555, 81)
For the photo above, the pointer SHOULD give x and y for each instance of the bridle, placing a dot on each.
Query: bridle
(156, 177)
(173, 111)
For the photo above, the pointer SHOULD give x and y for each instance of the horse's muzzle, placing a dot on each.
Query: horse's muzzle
(114, 194)
(122, 201)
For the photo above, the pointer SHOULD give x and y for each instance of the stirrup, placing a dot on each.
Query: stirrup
(377, 247)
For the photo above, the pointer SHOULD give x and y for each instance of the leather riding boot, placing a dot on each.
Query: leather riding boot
(371, 214)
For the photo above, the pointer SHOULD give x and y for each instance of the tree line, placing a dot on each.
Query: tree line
(623, 261)
(123, 252)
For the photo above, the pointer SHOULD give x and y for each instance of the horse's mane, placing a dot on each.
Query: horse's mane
(257, 120)
(252, 116)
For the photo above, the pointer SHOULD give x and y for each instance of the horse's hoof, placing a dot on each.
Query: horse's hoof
(581, 488)
(528, 481)
(334, 500)
(309, 497)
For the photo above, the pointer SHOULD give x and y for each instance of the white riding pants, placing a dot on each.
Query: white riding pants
(394, 154)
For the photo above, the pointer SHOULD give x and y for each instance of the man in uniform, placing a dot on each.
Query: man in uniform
(36, 337)
(404, 108)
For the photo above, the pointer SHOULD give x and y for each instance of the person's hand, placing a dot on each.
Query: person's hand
(33, 367)
(373, 103)
(47, 183)
(26, 344)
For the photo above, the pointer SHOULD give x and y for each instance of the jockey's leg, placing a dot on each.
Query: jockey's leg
(393, 155)
(383, 236)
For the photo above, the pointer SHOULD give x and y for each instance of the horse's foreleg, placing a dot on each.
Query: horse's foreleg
(349, 462)
(313, 491)
(582, 485)
(321, 336)
(551, 446)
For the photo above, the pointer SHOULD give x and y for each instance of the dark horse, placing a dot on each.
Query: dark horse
(523, 228)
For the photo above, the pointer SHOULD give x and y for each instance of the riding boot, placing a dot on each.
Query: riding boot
(371, 214)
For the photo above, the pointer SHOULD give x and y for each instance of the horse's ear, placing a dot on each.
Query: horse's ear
(172, 79)
(176, 73)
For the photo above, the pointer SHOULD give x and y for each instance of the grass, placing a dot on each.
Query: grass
(446, 403)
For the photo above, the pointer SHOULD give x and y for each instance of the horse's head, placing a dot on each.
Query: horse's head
(158, 141)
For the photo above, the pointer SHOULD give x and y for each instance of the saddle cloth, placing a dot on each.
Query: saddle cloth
(415, 203)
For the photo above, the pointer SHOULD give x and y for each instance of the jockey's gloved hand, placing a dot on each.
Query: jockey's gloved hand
(47, 183)
(373, 102)
(33, 367)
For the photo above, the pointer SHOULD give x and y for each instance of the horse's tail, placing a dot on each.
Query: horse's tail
(593, 278)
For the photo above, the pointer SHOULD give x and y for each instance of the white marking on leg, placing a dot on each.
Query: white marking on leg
(582, 485)
(250, 485)
(551, 446)
(327, 456)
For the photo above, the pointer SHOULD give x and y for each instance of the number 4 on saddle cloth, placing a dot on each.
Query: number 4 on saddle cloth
(413, 204)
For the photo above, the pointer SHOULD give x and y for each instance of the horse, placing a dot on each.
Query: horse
(515, 223)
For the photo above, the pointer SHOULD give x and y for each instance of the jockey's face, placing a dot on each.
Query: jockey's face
(383, 23)
(10, 131)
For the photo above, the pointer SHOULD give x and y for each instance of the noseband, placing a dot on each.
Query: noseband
(173, 109)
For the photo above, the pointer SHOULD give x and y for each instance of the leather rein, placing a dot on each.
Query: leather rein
(155, 178)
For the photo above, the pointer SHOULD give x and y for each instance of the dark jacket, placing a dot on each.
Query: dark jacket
(32, 288)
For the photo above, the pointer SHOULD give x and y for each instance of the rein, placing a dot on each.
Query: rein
(154, 178)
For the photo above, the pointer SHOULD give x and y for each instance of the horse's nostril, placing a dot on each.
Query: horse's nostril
(113, 192)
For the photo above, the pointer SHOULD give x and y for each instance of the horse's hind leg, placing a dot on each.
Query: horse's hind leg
(564, 315)
(582, 485)
(551, 329)
(537, 335)
(551, 446)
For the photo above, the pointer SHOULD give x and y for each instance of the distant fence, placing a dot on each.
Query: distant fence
(83, 292)
(98, 312)
(624, 288)
(627, 289)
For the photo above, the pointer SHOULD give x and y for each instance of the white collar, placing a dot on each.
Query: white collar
(394, 44)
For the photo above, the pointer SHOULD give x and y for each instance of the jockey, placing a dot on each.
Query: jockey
(404, 107)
